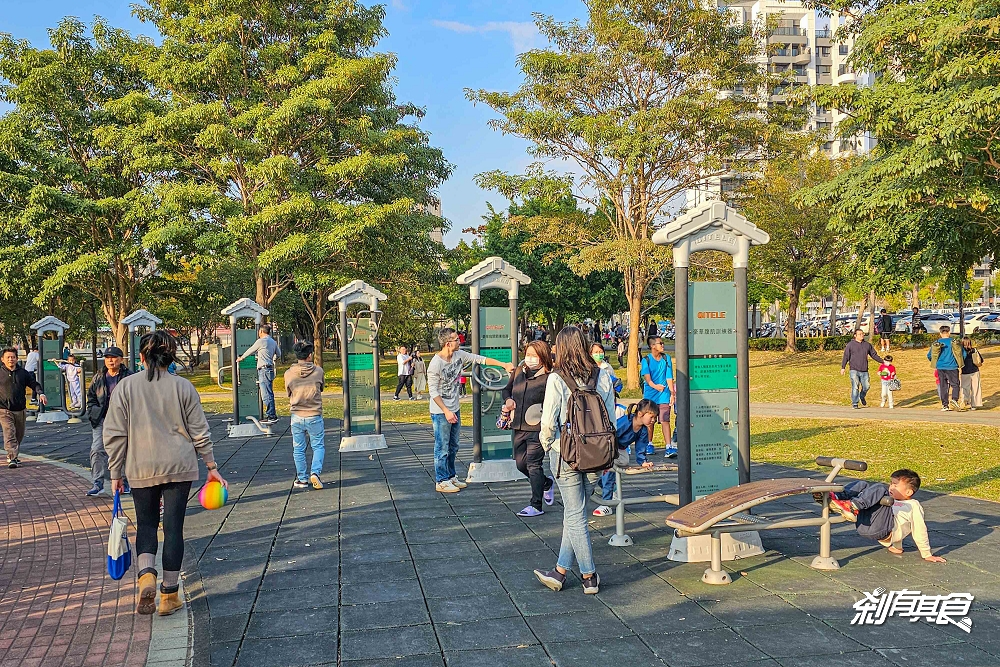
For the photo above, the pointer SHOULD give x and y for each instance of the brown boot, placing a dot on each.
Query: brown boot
(169, 602)
(147, 593)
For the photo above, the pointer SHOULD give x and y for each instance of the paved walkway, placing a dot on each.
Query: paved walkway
(813, 411)
(57, 604)
(378, 569)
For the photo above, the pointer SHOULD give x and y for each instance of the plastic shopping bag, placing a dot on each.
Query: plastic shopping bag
(119, 550)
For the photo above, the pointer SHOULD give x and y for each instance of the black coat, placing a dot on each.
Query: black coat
(97, 395)
(13, 385)
(527, 388)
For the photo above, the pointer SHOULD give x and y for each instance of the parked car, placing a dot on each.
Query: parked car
(932, 322)
(982, 322)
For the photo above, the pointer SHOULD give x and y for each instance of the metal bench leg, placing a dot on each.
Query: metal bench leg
(715, 574)
(619, 539)
(824, 561)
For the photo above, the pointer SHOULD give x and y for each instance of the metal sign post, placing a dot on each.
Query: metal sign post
(359, 357)
(136, 321)
(494, 334)
(712, 367)
(51, 332)
(246, 392)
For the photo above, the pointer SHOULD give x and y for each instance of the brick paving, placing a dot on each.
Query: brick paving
(58, 606)
(378, 569)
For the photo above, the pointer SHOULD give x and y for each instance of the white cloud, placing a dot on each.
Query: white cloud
(523, 35)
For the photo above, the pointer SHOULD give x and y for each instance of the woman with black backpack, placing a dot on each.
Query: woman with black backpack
(579, 435)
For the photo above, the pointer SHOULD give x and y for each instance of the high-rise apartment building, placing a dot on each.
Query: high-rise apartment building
(802, 45)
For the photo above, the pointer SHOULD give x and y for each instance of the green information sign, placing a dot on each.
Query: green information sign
(248, 393)
(52, 377)
(361, 378)
(494, 342)
(713, 387)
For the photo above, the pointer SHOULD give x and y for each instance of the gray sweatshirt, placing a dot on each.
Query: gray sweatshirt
(856, 355)
(267, 351)
(304, 384)
(155, 431)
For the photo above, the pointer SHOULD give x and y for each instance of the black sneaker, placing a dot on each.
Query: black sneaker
(96, 489)
(592, 584)
(12, 463)
(864, 402)
(553, 578)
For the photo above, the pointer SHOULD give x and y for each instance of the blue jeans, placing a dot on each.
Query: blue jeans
(313, 426)
(574, 488)
(606, 482)
(859, 377)
(265, 378)
(445, 446)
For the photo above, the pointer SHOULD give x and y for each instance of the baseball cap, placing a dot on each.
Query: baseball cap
(114, 352)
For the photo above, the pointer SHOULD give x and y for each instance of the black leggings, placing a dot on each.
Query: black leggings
(528, 455)
(405, 381)
(147, 520)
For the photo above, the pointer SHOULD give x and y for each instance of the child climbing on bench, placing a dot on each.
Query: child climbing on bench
(887, 514)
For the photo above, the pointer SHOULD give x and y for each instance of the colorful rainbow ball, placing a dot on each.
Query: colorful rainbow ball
(213, 495)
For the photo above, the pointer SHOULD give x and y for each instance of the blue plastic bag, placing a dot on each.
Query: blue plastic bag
(119, 550)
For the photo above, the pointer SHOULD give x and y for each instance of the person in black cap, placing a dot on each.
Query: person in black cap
(98, 396)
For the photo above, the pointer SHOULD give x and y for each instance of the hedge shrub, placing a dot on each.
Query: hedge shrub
(903, 340)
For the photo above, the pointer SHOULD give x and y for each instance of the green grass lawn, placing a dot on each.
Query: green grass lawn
(948, 459)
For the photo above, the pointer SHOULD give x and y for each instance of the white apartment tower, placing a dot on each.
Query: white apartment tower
(803, 43)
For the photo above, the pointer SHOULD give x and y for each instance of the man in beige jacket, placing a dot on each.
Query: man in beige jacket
(304, 384)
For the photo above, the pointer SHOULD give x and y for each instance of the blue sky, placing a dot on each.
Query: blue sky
(443, 48)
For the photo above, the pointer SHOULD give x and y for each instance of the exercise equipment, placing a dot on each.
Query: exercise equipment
(724, 513)
(51, 332)
(494, 334)
(359, 358)
(245, 317)
(139, 322)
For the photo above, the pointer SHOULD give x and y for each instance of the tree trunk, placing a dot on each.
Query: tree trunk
(793, 291)
(861, 313)
(261, 295)
(634, 289)
(915, 295)
(93, 338)
(319, 330)
(833, 310)
(871, 319)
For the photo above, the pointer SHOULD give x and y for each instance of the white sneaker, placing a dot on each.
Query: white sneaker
(457, 482)
(603, 510)
(446, 487)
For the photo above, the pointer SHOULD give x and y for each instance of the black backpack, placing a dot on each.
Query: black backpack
(587, 441)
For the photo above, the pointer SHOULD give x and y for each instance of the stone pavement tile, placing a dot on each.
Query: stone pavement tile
(799, 639)
(228, 628)
(965, 655)
(406, 661)
(854, 659)
(461, 586)
(296, 598)
(387, 571)
(896, 633)
(704, 647)
(463, 609)
(483, 634)
(388, 643)
(375, 555)
(526, 656)
(442, 567)
(223, 654)
(294, 621)
(242, 582)
(825, 606)
(868, 578)
(286, 579)
(381, 591)
(230, 604)
(438, 536)
(580, 626)
(432, 551)
(628, 651)
(383, 615)
(288, 651)
(526, 560)
(308, 561)
(769, 610)
(544, 601)
(687, 580)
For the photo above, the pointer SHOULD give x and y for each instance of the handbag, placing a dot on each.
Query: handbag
(119, 549)
(895, 385)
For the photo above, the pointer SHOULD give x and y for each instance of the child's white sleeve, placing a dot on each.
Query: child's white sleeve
(919, 528)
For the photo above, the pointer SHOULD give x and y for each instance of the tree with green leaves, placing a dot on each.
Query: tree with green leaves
(288, 142)
(802, 246)
(648, 100)
(76, 176)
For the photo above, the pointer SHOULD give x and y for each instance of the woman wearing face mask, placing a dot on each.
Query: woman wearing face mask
(597, 352)
(523, 397)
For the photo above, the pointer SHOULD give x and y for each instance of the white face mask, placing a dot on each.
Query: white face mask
(532, 362)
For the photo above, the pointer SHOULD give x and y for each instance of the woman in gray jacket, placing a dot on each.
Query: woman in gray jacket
(572, 358)
(154, 432)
